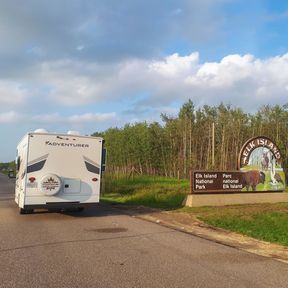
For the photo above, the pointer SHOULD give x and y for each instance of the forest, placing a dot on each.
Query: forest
(207, 138)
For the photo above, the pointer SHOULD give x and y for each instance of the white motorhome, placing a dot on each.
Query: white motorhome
(59, 171)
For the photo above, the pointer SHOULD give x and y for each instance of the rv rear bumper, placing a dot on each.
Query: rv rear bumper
(61, 205)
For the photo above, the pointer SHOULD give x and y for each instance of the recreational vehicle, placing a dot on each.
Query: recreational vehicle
(58, 171)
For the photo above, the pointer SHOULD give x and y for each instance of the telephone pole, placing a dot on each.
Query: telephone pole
(213, 145)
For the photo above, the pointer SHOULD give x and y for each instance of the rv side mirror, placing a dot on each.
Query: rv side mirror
(103, 164)
(18, 161)
(11, 174)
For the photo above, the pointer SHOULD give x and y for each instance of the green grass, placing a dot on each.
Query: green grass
(268, 222)
(157, 192)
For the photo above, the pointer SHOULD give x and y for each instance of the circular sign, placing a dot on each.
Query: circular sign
(261, 163)
(258, 149)
(50, 184)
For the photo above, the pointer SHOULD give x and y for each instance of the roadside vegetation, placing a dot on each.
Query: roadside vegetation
(157, 192)
(268, 222)
(184, 141)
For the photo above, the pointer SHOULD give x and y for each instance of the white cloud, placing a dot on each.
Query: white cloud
(9, 117)
(231, 69)
(47, 118)
(12, 93)
(90, 118)
(175, 65)
(56, 118)
(242, 80)
(245, 81)
(85, 118)
(248, 81)
(74, 82)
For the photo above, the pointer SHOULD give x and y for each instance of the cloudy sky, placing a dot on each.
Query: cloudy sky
(94, 64)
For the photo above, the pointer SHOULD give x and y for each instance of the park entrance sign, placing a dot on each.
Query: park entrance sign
(206, 181)
(259, 170)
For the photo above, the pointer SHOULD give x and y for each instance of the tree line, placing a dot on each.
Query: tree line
(209, 137)
(7, 166)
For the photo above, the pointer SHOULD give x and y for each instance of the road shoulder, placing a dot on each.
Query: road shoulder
(189, 224)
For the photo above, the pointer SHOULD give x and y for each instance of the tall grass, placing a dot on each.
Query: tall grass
(157, 192)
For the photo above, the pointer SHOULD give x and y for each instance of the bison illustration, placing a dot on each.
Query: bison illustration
(253, 178)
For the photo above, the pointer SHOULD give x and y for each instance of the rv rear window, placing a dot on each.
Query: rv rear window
(36, 166)
(92, 168)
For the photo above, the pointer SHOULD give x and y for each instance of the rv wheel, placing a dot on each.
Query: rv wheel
(22, 211)
(75, 209)
(25, 211)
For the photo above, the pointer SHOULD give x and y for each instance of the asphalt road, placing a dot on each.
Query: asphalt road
(105, 248)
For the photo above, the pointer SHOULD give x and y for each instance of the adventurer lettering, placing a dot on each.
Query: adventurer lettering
(61, 144)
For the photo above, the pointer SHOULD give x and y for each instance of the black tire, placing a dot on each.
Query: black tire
(25, 211)
(22, 211)
(74, 209)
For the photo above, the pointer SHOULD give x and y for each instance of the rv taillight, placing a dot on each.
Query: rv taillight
(32, 179)
(94, 179)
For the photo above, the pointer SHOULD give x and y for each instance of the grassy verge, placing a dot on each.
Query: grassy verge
(268, 222)
(157, 192)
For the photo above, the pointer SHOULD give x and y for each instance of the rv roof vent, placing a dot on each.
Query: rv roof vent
(70, 132)
(41, 130)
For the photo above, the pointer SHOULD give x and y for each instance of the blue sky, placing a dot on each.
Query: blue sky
(90, 65)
